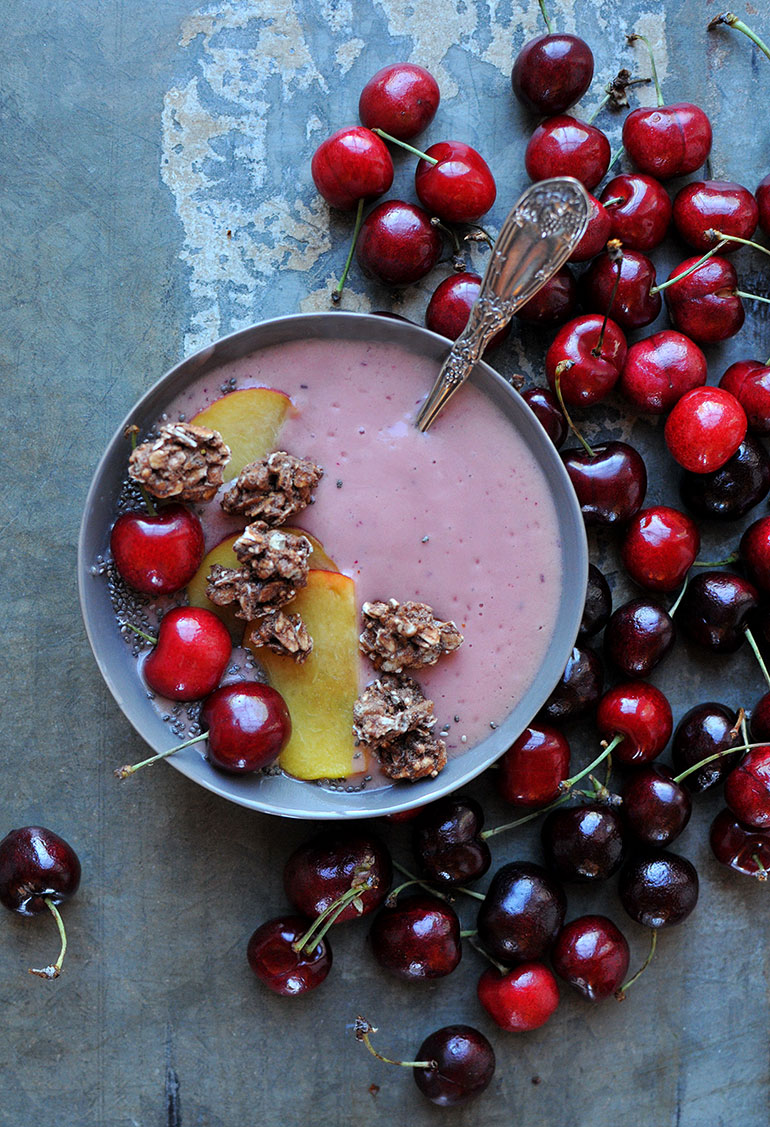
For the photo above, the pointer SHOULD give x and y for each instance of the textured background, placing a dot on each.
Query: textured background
(134, 137)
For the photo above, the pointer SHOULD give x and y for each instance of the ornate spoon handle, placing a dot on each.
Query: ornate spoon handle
(536, 239)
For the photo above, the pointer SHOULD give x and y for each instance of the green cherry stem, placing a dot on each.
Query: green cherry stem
(422, 883)
(129, 769)
(691, 269)
(621, 994)
(404, 145)
(329, 916)
(499, 966)
(337, 291)
(713, 233)
(485, 834)
(731, 559)
(732, 20)
(142, 634)
(675, 605)
(760, 660)
(363, 1030)
(615, 255)
(54, 969)
(546, 17)
(751, 296)
(636, 38)
(561, 367)
(605, 753)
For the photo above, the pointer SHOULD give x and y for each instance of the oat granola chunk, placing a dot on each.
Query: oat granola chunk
(273, 488)
(405, 635)
(283, 634)
(185, 461)
(417, 755)
(390, 707)
(274, 565)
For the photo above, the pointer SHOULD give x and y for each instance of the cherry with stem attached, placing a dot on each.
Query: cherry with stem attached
(728, 19)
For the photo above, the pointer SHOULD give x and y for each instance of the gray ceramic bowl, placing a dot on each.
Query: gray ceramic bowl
(282, 794)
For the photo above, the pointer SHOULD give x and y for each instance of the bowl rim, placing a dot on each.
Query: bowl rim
(320, 803)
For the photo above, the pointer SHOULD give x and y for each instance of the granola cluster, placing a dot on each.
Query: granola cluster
(274, 565)
(394, 717)
(283, 634)
(405, 635)
(185, 461)
(274, 488)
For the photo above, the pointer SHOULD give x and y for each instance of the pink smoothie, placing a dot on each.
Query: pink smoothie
(460, 518)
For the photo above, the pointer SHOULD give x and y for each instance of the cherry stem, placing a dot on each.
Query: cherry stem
(498, 966)
(704, 258)
(458, 261)
(636, 38)
(615, 157)
(621, 994)
(761, 873)
(731, 559)
(527, 818)
(363, 1029)
(404, 145)
(675, 606)
(478, 234)
(546, 17)
(751, 296)
(422, 883)
(330, 914)
(615, 252)
(605, 753)
(142, 634)
(469, 934)
(732, 21)
(337, 291)
(714, 233)
(469, 892)
(131, 433)
(760, 660)
(717, 755)
(616, 93)
(564, 366)
(124, 772)
(392, 896)
(54, 970)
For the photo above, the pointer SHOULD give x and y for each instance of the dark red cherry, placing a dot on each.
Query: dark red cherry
(248, 725)
(655, 808)
(734, 489)
(716, 609)
(459, 188)
(598, 605)
(740, 848)
(591, 954)
(552, 72)
(596, 234)
(638, 636)
(191, 654)
(714, 205)
(762, 196)
(554, 303)
(704, 731)
(418, 938)
(464, 1065)
(639, 209)
(658, 889)
(401, 99)
(577, 690)
(322, 869)
(633, 305)
(564, 146)
(705, 428)
(546, 406)
(659, 547)
(759, 723)
(666, 141)
(522, 913)
(705, 305)
(36, 865)
(754, 551)
(747, 789)
(583, 843)
(273, 956)
(159, 554)
(351, 165)
(610, 483)
(660, 369)
(521, 999)
(641, 714)
(446, 841)
(534, 766)
(749, 382)
(397, 244)
(587, 354)
(450, 306)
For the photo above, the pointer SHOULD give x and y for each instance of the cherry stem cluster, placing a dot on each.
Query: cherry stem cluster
(321, 924)
(363, 1030)
(732, 20)
(54, 969)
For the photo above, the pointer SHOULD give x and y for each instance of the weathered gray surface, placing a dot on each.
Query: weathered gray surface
(134, 136)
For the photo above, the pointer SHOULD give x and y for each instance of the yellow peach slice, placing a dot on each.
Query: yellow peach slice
(249, 421)
(196, 589)
(320, 693)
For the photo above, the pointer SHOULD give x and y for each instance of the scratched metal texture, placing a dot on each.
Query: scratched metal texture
(134, 137)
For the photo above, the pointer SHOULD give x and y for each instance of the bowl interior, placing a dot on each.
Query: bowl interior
(280, 794)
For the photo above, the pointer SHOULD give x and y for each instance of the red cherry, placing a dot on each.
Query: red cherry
(450, 306)
(591, 377)
(716, 609)
(660, 547)
(596, 234)
(642, 715)
(755, 552)
(418, 938)
(564, 146)
(666, 141)
(521, 999)
(401, 99)
(660, 369)
(275, 961)
(762, 196)
(747, 789)
(191, 654)
(705, 428)
(459, 188)
(248, 726)
(705, 305)
(554, 303)
(546, 406)
(351, 165)
(718, 205)
(534, 766)
(552, 72)
(749, 382)
(610, 483)
(463, 1064)
(633, 305)
(159, 554)
(397, 244)
(656, 809)
(639, 209)
(740, 848)
(322, 870)
(591, 954)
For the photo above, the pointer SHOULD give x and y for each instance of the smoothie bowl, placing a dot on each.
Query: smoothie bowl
(476, 518)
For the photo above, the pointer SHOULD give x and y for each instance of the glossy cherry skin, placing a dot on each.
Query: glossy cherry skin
(658, 889)
(587, 378)
(637, 637)
(740, 848)
(666, 141)
(157, 555)
(554, 303)
(754, 551)
(534, 766)
(702, 732)
(762, 196)
(715, 610)
(521, 999)
(417, 939)
(191, 654)
(705, 428)
(718, 205)
(639, 209)
(322, 869)
(642, 715)
(552, 72)
(275, 962)
(248, 726)
(596, 234)
(36, 865)
(759, 723)
(660, 369)
(749, 382)
(659, 547)
(598, 605)
(446, 841)
(351, 165)
(545, 405)
(633, 305)
(578, 688)
(655, 808)
(458, 189)
(610, 485)
(747, 789)
(450, 306)
(400, 99)
(736, 487)
(583, 843)
(591, 954)
(704, 305)
(564, 146)
(522, 913)
(397, 244)
(464, 1065)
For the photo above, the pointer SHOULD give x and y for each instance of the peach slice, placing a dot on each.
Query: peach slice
(320, 693)
(249, 421)
(318, 560)
(222, 554)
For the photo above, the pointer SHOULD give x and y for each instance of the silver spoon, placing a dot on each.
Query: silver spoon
(536, 239)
